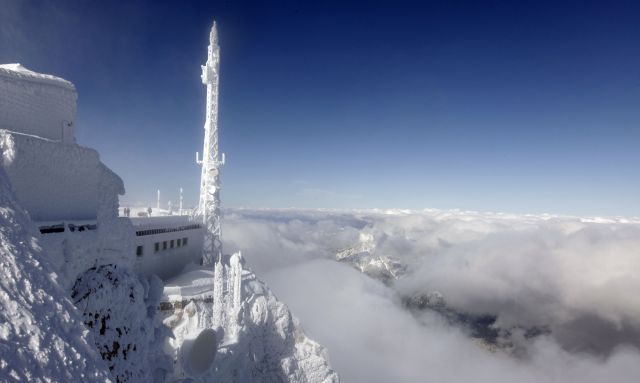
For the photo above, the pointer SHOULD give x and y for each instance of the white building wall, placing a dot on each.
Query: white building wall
(37, 104)
(57, 181)
(166, 262)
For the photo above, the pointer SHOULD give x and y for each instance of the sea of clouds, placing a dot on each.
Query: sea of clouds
(576, 278)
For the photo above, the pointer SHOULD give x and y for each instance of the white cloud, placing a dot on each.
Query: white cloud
(577, 276)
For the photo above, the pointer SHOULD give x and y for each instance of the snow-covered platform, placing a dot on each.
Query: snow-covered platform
(190, 285)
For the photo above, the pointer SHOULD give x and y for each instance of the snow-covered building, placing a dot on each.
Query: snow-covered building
(37, 104)
(69, 192)
(64, 187)
(37, 117)
(72, 190)
(164, 245)
(76, 270)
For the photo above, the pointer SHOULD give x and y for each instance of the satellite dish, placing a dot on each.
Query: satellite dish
(203, 351)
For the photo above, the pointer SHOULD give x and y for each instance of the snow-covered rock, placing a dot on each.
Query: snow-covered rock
(42, 337)
(268, 344)
(482, 328)
(363, 257)
(120, 309)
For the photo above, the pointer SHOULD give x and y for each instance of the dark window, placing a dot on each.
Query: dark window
(156, 247)
(179, 242)
(164, 245)
(184, 241)
(139, 251)
(172, 242)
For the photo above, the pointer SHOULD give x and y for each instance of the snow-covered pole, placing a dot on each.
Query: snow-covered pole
(209, 206)
(158, 201)
(180, 201)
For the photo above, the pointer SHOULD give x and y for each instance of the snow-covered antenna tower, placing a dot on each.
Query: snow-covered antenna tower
(158, 201)
(180, 201)
(209, 207)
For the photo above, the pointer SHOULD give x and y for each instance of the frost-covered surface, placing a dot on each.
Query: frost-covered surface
(42, 337)
(209, 206)
(119, 308)
(73, 189)
(36, 103)
(269, 344)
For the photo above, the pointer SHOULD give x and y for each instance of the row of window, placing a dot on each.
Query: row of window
(140, 233)
(164, 245)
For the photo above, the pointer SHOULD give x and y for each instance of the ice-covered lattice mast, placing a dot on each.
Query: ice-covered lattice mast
(228, 272)
(209, 207)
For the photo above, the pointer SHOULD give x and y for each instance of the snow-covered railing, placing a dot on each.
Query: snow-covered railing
(62, 227)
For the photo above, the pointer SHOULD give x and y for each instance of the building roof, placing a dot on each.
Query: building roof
(19, 72)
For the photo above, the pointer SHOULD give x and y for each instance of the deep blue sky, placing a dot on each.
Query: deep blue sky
(486, 105)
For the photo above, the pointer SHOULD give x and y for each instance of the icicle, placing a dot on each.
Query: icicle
(218, 295)
(236, 267)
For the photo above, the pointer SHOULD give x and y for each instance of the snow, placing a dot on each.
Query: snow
(37, 104)
(95, 269)
(227, 325)
(42, 337)
(209, 206)
(17, 71)
(70, 190)
(119, 308)
(364, 258)
(268, 344)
